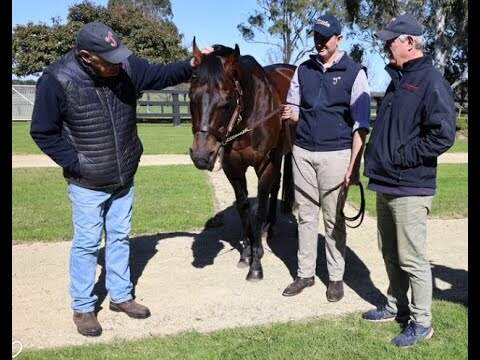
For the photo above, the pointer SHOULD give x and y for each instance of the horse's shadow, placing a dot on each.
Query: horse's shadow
(283, 244)
(225, 228)
(458, 280)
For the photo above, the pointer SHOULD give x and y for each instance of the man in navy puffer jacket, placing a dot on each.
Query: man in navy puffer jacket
(84, 118)
(415, 124)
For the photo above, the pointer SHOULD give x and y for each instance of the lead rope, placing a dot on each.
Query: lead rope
(361, 211)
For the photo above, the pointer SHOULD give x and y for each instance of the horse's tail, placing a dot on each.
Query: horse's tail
(288, 194)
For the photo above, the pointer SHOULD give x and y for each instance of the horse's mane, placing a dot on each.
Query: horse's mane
(211, 68)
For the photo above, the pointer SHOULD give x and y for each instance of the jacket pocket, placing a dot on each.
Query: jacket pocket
(85, 165)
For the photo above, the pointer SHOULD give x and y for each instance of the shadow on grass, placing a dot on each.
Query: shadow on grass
(457, 291)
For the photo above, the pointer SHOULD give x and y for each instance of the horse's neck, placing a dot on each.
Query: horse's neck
(258, 95)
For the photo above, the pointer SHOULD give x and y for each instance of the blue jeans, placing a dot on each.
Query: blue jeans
(93, 211)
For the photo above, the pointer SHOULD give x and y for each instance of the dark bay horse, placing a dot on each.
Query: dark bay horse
(235, 105)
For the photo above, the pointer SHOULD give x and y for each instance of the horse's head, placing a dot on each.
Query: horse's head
(215, 98)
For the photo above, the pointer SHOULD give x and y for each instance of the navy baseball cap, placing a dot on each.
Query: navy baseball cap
(403, 24)
(102, 40)
(327, 25)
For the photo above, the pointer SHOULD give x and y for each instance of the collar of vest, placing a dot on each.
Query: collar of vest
(341, 65)
(89, 71)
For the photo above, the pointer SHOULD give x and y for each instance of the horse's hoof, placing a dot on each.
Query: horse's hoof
(243, 263)
(255, 275)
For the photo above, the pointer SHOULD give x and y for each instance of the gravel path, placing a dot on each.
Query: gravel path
(190, 280)
(19, 161)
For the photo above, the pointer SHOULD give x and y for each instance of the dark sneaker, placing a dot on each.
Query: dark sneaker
(412, 334)
(335, 291)
(87, 323)
(382, 314)
(131, 308)
(298, 285)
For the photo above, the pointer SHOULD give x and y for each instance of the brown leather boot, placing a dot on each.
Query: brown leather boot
(131, 308)
(87, 323)
(335, 291)
(298, 285)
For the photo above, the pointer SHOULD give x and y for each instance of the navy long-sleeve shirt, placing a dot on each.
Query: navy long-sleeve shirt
(51, 105)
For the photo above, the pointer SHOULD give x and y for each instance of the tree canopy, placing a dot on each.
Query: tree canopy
(285, 25)
(37, 45)
(155, 9)
(446, 29)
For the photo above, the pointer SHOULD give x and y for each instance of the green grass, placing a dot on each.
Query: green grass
(156, 138)
(347, 337)
(22, 142)
(450, 201)
(165, 138)
(167, 198)
(460, 145)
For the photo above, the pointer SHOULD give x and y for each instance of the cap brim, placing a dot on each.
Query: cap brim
(117, 55)
(323, 31)
(386, 35)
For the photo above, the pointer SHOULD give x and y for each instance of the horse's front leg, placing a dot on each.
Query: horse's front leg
(239, 184)
(265, 183)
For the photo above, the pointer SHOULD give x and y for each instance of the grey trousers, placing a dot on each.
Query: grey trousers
(314, 174)
(402, 235)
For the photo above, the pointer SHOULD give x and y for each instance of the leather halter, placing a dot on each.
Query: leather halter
(236, 116)
(234, 119)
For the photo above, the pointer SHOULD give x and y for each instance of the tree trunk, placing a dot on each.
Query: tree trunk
(440, 44)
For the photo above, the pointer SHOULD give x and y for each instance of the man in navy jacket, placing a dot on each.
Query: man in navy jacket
(415, 124)
(329, 96)
(84, 118)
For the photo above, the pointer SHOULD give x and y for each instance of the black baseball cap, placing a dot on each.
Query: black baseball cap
(327, 25)
(102, 40)
(403, 24)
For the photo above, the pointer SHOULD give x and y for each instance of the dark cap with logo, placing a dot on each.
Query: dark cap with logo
(102, 40)
(403, 24)
(327, 25)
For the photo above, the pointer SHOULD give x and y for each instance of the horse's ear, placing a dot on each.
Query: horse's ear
(237, 51)
(231, 62)
(233, 58)
(197, 54)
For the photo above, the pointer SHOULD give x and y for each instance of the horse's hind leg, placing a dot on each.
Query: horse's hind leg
(272, 208)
